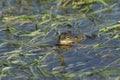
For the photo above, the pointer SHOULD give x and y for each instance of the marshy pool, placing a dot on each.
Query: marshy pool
(29, 34)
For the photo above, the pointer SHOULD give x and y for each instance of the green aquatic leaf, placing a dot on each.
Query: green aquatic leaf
(2, 29)
(27, 55)
(34, 33)
(16, 62)
(6, 69)
(103, 2)
(117, 36)
(110, 28)
(43, 22)
(98, 45)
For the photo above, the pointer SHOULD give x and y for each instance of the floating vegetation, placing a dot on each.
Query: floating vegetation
(113, 31)
(30, 43)
(110, 28)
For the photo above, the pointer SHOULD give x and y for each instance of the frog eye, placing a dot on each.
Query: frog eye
(76, 36)
(69, 32)
(67, 36)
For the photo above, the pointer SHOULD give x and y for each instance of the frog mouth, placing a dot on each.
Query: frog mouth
(65, 42)
(70, 41)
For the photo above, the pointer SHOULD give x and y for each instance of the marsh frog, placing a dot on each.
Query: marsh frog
(70, 37)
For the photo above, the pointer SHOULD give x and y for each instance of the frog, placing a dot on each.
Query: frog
(72, 37)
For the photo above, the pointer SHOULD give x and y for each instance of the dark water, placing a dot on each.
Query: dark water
(79, 59)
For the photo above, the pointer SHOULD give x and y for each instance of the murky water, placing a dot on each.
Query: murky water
(87, 60)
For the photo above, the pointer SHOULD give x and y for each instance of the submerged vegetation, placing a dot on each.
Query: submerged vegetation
(30, 32)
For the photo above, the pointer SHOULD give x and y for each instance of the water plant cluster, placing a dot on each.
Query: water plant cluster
(30, 29)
